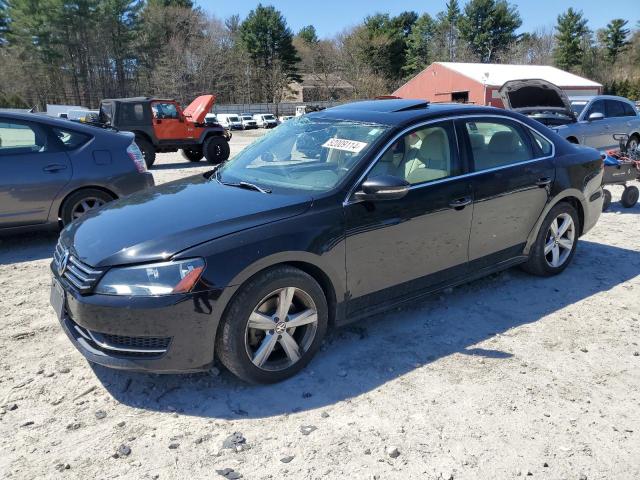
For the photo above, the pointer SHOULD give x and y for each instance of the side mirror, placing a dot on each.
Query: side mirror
(384, 187)
(595, 116)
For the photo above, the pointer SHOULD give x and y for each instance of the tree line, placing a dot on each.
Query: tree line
(80, 51)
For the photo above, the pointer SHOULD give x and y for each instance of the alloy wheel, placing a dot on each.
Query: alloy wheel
(281, 329)
(560, 240)
(84, 205)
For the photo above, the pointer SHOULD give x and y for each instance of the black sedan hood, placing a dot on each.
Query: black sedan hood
(160, 222)
(535, 95)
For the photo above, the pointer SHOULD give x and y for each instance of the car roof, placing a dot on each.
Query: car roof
(138, 99)
(53, 122)
(588, 98)
(401, 111)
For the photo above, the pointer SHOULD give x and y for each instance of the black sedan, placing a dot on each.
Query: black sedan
(329, 218)
(53, 171)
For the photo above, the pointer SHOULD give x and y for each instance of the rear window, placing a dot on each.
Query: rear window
(70, 138)
(106, 113)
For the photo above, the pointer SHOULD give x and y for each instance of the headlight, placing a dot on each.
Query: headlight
(152, 279)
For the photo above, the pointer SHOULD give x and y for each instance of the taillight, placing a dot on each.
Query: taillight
(136, 157)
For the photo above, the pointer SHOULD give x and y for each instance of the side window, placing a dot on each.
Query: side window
(71, 139)
(544, 146)
(596, 107)
(497, 143)
(615, 108)
(424, 155)
(164, 110)
(132, 112)
(18, 137)
(629, 111)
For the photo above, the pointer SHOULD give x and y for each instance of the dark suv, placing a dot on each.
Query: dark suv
(53, 171)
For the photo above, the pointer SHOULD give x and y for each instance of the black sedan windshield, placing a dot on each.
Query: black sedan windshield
(302, 154)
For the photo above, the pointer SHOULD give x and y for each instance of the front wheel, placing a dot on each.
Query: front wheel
(216, 150)
(607, 199)
(556, 242)
(273, 327)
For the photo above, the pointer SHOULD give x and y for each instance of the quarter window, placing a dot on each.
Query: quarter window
(71, 139)
(424, 155)
(543, 144)
(629, 111)
(496, 144)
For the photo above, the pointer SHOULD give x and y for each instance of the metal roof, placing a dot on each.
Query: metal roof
(495, 74)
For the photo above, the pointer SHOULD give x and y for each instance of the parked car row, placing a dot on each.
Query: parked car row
(244, 121)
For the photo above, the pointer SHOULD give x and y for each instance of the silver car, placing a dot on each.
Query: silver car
(587, 120)
(53, 171)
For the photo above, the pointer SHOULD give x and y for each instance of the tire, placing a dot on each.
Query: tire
(216, 150)
(543, 264)
(239, 347)
(607, 200)
(73, 207)
(630, 196)
(192, 154)
(633, 142)
(147, 149)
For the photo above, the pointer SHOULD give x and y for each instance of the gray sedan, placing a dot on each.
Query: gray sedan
(53, 171)
(587, 120)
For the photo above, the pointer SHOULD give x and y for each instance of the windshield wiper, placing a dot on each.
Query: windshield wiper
(247, 185)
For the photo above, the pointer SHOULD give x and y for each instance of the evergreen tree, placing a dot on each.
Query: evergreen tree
(448, 30)
(571, 31)
(419, 46)
(308, 35)
(489, 27)
(269, 42)
(615, 37)
(4, 22)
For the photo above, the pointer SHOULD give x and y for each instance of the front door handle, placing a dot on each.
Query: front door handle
(460, 203)
(54, 167)
(543, 182)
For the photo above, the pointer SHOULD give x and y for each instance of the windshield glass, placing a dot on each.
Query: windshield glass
(233, 119)
(269, 117)
(578, 106)
(303, 154)
(247, 117)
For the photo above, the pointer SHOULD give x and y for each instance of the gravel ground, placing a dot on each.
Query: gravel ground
(510, 376)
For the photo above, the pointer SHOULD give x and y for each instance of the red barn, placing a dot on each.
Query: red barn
(479, 82)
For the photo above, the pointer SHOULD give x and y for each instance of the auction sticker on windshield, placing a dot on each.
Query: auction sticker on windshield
(346, 145)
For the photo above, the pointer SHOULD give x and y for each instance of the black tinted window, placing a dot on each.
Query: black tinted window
(615, 108)
(597, 107)
(132, 112)
(629, 111)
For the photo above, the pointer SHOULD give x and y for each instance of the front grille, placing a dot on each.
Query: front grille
(121, 345)
(80, 275)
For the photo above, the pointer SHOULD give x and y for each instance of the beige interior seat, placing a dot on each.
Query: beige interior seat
(431, 161)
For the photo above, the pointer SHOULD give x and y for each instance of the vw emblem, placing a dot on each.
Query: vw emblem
(281, 327)
(64, 259)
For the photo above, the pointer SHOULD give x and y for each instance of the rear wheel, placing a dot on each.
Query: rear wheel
(273, 327)
(147, 149)
(192, 154)
(629, 196)
(216, 150)
(556, 242)
(633, 143)
(81, 202)
(607, 200)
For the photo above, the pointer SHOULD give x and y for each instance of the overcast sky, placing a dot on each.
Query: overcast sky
(333, 16)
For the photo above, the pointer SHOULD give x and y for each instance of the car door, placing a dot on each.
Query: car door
(513, 171)
(396, 248)
(33, 169)
(168, 124)
(596, 133)
(616, 119)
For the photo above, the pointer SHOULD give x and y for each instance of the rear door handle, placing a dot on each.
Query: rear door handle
(54, 167)
(460, 203)
(543, 182)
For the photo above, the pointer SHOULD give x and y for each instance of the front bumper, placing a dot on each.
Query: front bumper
(168, 334)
